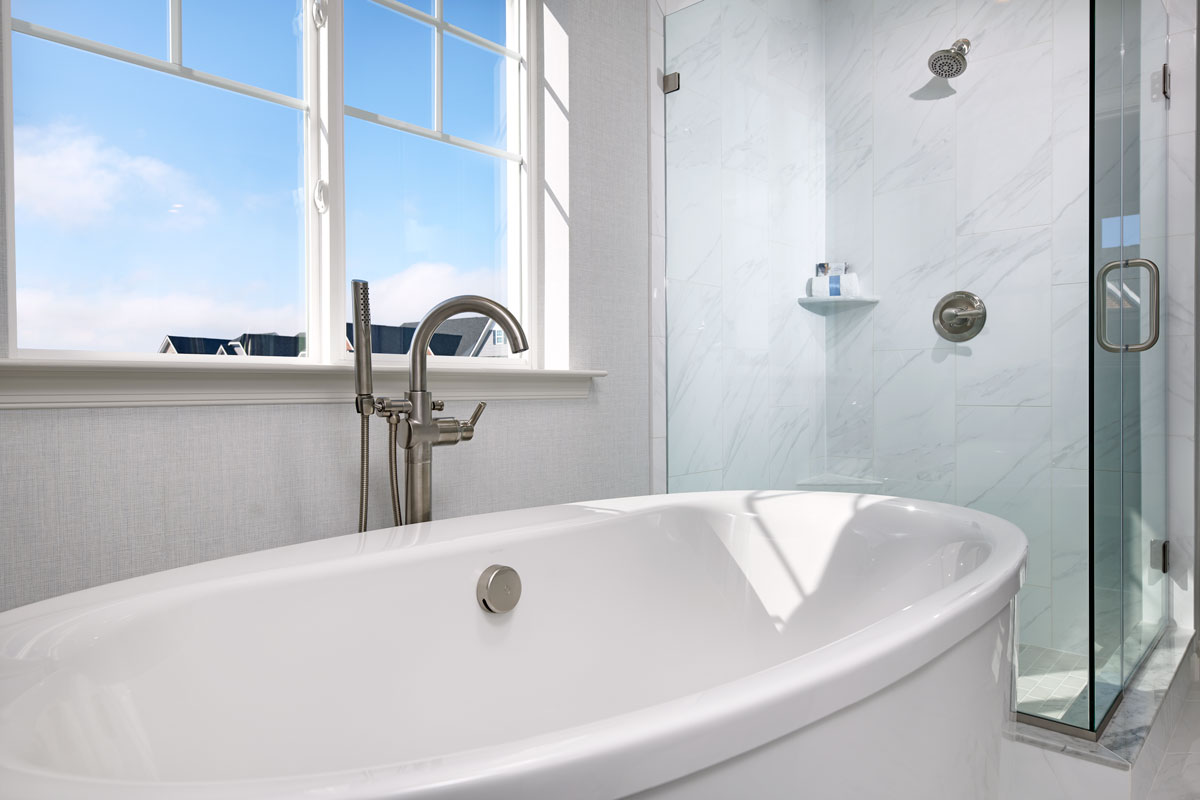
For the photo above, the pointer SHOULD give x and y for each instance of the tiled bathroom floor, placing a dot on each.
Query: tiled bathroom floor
(1052, 684)
(1179, 775)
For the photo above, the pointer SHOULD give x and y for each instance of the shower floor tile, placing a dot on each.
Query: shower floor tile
(1052, 684)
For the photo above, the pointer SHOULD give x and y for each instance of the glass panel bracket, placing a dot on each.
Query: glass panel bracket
(1160, 555)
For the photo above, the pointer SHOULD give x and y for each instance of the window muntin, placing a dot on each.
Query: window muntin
(428, 213)
(417, 244)
(480, 17)
(389, 63)
(251, 41)
(140, 27)
(148, 206)
(475, 98)
(484, 179)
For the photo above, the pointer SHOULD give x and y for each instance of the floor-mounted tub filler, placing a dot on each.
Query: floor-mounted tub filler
(723, 645)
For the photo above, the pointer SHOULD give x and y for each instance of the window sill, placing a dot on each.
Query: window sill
(54, 383)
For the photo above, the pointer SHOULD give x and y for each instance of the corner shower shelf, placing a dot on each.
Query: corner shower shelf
(828, 305)
(833, 479)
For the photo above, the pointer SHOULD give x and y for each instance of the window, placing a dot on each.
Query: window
(188, 183)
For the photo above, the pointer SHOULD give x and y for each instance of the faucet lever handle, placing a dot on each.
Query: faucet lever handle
(466, 430)
(474, 420)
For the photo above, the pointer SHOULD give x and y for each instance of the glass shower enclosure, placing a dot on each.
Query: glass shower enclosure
(1128, 452)
(806, 132)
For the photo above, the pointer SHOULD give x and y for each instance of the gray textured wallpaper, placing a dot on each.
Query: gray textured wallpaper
(91, 496)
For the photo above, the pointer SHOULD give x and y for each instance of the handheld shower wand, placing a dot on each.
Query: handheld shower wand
(363, 385)
(364, 400)
(366, 404)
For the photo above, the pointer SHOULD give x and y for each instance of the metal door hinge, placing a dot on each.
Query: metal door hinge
(1160, 555)
(1166, 81)
(671, 83)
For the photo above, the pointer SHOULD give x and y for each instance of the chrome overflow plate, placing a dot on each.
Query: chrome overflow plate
(959, 316)
(499, 589)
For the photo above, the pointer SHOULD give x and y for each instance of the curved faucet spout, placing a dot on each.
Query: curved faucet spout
(445, 310)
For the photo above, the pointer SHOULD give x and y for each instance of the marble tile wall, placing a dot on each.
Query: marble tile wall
(979, 184)
(924, 187)
(746, 222)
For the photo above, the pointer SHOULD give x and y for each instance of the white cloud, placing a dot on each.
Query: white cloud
(73, 178)
(406, 296)
(137, 323)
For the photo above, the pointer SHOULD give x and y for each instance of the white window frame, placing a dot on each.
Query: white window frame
(60, 378)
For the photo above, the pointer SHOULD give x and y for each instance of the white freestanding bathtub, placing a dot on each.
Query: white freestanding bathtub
(724, 645)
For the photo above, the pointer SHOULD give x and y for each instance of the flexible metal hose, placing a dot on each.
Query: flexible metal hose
(393, 472)
(362, 489)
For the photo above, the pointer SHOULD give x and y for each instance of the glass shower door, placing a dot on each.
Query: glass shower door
(1128, 604)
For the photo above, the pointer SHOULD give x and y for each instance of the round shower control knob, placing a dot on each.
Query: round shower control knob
(499, 589)
(959, 316)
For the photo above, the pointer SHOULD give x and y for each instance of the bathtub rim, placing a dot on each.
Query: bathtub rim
(633, 751)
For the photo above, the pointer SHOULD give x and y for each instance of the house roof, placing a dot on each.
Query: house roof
(192, 345)
(468, 329)
(271, 344)
(398, 338)
(455, 337)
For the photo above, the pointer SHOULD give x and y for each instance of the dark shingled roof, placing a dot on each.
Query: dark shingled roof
(270, 344)
(468, 329)
(398, 338)
(193, 345)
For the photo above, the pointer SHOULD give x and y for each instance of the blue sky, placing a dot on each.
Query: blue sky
(148, 204)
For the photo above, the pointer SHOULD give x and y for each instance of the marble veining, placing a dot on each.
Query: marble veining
(849, 76)
(849, 231)
(914, 263)
(1034, 615)
(914, 414)
(693, 378)
(693, 46)
(1009, 363)
(1069, 185)
(1181, 286)
(996, 28)
(693, 218)
(892, 13)
(745, 223)
(791, 433)
(913, 138)
(1003, 131)
(1072, 45)
(744, 419)
(1069, 353)
(1003, 459)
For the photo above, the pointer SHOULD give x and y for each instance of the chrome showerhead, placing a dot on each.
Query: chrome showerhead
(952, 62)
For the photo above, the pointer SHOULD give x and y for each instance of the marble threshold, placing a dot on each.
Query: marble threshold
(1121, 742)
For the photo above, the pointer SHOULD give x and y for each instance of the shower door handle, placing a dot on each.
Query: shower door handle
(1152, 303)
